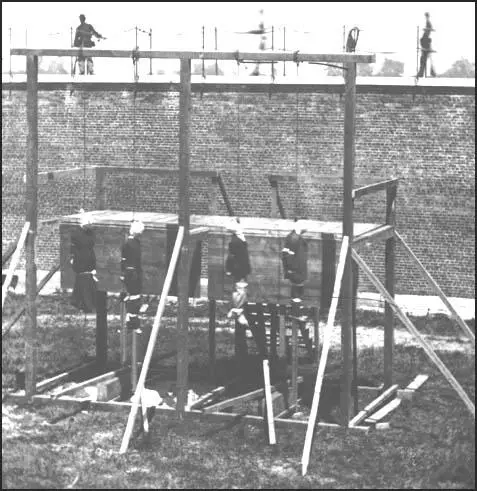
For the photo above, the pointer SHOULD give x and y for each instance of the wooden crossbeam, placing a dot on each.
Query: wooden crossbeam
(61, 377)
(383, 232)
(412, 329)
(206, 398)
(296, 57)
(249, 396)
(46, 176)
(409, 391)
(373, 188)
(462, 324)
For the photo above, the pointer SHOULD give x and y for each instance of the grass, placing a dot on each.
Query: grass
(431, 443)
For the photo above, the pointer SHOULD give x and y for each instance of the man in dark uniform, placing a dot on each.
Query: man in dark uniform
(131, 271)
(83, 261)
(84, 33)
(426, 49)
(294, 260)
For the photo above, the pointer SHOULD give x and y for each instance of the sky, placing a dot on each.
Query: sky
(388, 28)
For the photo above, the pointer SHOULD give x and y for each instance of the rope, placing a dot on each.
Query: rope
(237, 177)
(84, 151)
(297, 148)
(134, 138)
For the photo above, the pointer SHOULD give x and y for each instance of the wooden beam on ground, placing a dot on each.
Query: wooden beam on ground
(409, 391)
(152, 342)
(268, 399)
(14, 262)
(31, 201)
(373, 188)
(43, 282)
(61, 377)
(462, 324)
(249, 396)
(206, 398)
(92, 381)
(324, 356)
(202, 55)
(383, 412)
(373, 405)
(412, 329)
(383, 232)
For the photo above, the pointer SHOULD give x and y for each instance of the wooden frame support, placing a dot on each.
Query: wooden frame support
(101, 328)
(212, 326)
(324, 356)
(377, 186)
(412, 329)
(373, 405)
(462, 324)
(276, 208)
(31, 217)
(223, 191)
(14, 262)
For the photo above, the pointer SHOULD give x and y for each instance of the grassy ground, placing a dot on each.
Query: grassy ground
(431, 443)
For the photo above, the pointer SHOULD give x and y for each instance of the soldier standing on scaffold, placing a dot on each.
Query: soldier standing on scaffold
(83, 39)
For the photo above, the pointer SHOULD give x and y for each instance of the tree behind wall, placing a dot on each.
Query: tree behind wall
(391, 68)
(462, 68)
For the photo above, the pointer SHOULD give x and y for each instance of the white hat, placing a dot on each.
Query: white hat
(299, 227)
(137, 227)
(85, 219)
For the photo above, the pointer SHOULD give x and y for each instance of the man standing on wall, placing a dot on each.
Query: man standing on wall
(426, 49)
(83, 39)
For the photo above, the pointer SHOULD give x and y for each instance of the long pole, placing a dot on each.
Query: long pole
(31, 216)
(150, 47)
(203, 48)
(152, 342)
(136, 61)
(10, 42)
(284, 48)
(273, 63)
(417, 50)
(348, 171)
(216, 62)
(184, 221)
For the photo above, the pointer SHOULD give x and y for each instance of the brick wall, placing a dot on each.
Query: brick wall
(426, 136)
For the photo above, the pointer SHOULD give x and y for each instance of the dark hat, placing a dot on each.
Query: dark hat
(82, 17)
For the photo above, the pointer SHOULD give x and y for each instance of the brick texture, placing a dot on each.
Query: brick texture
(427, 140)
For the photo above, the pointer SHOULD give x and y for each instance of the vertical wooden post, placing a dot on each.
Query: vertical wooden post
(390, 249)
(213, 196)
(355, 270)
(100, 189)
(347, 288)
(101, 328)
(328, 272)
(123, 334)
(184, 221)
(212, 317)
(273, 330)
(31, 216)
(134, 335)
(282, 347)
(294, 343)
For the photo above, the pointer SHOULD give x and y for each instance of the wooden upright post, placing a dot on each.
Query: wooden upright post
(184, 221)
(347, 289)
(100, 188)
(212, 320)
(390, 249)
(31, 216)
(101, 328)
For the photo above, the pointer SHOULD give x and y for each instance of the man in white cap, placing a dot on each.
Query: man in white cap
(237, 265)
(131, 270)
(83, 262)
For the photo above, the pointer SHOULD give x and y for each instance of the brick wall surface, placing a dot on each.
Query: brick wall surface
(427, 140)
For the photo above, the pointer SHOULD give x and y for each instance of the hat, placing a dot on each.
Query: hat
(137, 227)
(85, 219)
(299, 226)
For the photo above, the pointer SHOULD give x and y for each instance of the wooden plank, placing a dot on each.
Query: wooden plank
(462, 324)
(225, 196)
(282, 351)
(202, 55)
(382, 232)
(417, 382)
(373, 188)
(268, 399)
(373, 405)
(9, 252)
(14, 262)
(31, 202)
(383, 412)
(206, 398)
(324, 356)
(91, 381)
(412, 329)
(61, 377)
(249, 396)
(152, 342)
